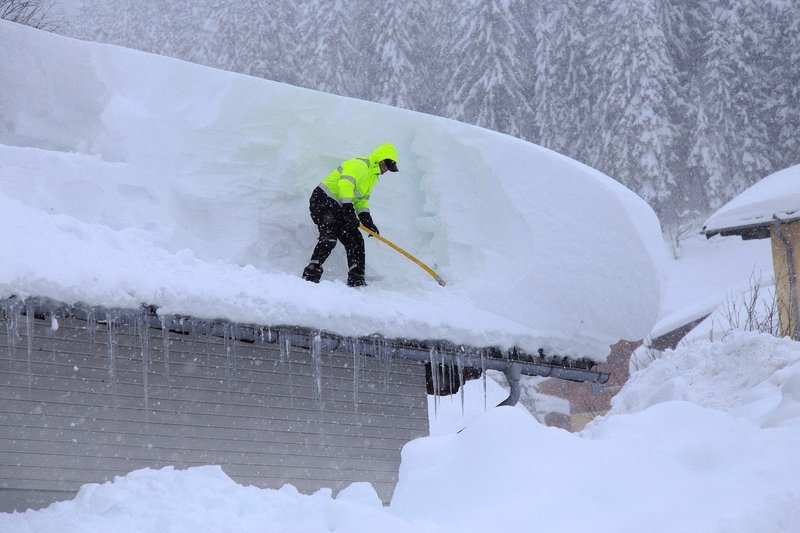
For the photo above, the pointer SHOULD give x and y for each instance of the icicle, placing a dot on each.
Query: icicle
(356, 373)
(284, 347)
(112, 357)
(230, 361)
(386, 366)
(380, 353)
(165, 342)
(316, 360)
(452, 372)
(29, 315)
(226, 343)
(144, 339)
(460, 367)
(11, 310)
(52, 334)
(435, 379)
(91, 324)
(483, 378)
(53, 322)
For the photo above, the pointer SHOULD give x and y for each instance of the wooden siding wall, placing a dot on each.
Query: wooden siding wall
(780, 263)
(72, 411)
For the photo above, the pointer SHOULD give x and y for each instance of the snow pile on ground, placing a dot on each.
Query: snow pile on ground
(702, 440)
(748, 375)
(130, 178)
(204, 499)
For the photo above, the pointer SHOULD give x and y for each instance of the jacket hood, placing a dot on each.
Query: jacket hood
(384, 151)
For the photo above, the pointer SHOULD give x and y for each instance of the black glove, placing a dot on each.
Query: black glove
(350, 219)
(366, 219)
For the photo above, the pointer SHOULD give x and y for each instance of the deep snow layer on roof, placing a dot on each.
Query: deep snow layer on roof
(776, 197)
(131, 178)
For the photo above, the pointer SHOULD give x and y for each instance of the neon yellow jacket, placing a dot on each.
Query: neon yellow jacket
(353, 181)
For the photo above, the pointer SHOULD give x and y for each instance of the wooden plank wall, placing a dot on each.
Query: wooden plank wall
(72, 411)
(785, 294)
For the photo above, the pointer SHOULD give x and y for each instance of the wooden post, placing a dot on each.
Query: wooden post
(786, 263)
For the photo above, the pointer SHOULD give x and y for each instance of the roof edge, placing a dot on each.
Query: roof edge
(434, 352)
(756, 230)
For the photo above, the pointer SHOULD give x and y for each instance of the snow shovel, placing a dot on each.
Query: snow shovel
(422, 265)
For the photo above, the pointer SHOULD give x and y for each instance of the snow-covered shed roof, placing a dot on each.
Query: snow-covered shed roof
(776, 198)
(135, 179)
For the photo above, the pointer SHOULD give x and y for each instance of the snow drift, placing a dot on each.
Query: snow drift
(131, 178)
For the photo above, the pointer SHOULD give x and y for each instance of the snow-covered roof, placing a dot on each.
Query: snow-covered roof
(774, 198)
(130, 178)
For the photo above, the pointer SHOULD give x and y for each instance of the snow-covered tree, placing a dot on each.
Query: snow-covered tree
(730, 140)
(562, 85)
(397, 51)
(329, 36)
(490, 47)
(782, 66)
(631, 135)
(253, 37)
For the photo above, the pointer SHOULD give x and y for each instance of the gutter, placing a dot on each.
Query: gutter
(755, 230)
(513, 363)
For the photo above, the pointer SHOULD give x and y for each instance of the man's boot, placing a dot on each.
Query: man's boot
(355, 277)
(313, 272)
(355, 281)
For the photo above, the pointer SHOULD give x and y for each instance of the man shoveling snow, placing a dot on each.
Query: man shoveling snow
(340, 204)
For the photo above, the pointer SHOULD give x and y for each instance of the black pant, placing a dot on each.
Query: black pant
(329, 216)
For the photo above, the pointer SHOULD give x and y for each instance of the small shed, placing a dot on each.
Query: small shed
(88, 393)
(770, 209)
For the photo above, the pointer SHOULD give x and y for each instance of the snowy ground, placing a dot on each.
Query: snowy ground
(96, 203)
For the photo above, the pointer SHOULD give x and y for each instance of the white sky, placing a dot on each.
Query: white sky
(129, 178)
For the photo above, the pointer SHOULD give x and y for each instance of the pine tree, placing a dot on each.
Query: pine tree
(187, 31)
(730, 140)
(632, 135)
(106, 21)
(488, 85)
(397, 53)
(253, 37)
(329, 34)
(685, 26)
(782, 64)
(562, 88)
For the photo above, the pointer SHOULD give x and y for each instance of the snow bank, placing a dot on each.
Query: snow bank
(749, 375)
(131, 178)
(204, 499)
(701, 440)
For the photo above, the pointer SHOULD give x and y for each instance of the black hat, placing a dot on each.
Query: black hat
(391, 165)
